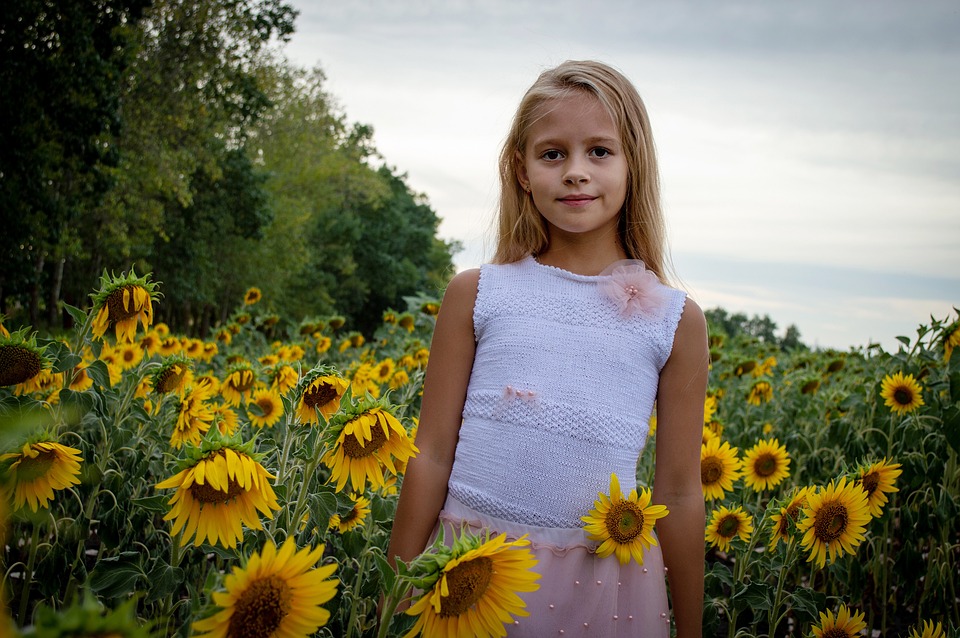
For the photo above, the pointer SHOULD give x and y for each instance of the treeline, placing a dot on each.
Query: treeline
(763, 329)
(173, 136)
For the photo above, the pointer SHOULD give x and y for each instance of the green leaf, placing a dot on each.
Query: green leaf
(164, 580)
(722, 573)
(322, 507)
(387, 574)
(116, 576)
(904, 340)
(807, 602)
(79, 316)
(99, 373)
(156, 503)
(756, 596)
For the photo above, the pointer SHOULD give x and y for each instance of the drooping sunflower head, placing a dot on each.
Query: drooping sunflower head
(784, 522)
(843, 625)
(834, 521)
(471, 588)
(727, 524)
(761, 392)
(318, 394)
(431, 308)
(719, 467)
(878, 480)
(744, 367)
(252, 296)
(173, 376)
(623, 524)
(810, 386)
(336, 322)
(121, 302)
(38, 470)
(220, 487)
(363, 442)
(901, 393)
(21, 359)
(283, 377)
(276, 592)
(238, 383)
(765, 465)
(195, 415)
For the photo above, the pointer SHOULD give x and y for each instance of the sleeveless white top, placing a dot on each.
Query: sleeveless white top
(560, 396)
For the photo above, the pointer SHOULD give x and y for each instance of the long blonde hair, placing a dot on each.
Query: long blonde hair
(642, 230)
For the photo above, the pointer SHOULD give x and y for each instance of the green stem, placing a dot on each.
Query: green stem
(28, 575)
(301, 502)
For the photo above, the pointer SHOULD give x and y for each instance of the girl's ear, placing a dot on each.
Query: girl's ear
(521, 171)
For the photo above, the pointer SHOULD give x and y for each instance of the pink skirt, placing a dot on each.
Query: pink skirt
(580, 594)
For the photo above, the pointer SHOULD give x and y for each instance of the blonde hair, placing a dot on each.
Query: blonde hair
(522, 230)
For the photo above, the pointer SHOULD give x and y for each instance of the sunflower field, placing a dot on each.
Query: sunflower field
(244, 484)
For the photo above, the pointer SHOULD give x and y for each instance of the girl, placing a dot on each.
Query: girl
(545, 366)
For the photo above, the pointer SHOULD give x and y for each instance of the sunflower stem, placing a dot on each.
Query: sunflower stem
(773, 619)
(28, 575)
(300, 503)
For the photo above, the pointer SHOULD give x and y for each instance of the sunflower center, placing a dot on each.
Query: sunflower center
(353, 449)
(728, 526)
(17, 364)
(266, 406)
(206, 494)
(870, 482)
(836, 632)
(624, 521)
(467, 583)
(115, 306)
(830, 522)
(32, 468)
(765, 465)
(351, 516)
(261, 608)
(903, 396)
(319, 396)
(711, 470)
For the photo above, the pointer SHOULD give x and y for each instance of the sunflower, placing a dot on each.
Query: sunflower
(472, 588)
(355, 517)
(834, 521)
(787, 516)
(399, 379)
(951, 339)
(252, 296)
(121, 303)
(363, 381)
(193, 348)
(843, 625)
(276, 593)
(224, 336)
(170, 346)
(623, 523)
(322, 391)
(709, 408)
(877, 480)
(765, 465)
(194, 416)
(150, 342)
(369, 440)
(238, 384)
(726, 524)
(225, 418)
(80, 380)
(383, 371)
(129, 355)
(46, 383)
(265, 409)
(216, 492)
(810, 386)
(719, 467)
(744, 367)
(39, 469)
(21, 359)
(283, 378)
(406, 321)
(902, 394)
(928, 630)
(291, 354)
(323, 344)
(761, 392)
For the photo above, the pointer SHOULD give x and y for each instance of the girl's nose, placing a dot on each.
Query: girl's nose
(575, 174)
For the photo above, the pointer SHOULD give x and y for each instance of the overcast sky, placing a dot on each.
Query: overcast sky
(810, 152)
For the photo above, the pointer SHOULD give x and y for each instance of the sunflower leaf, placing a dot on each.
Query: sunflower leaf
(807, 603)
(79, 316)
(164, 579)
(756, 596)
(116, 576)
(951, 427)
(387, 574)
(99, 373)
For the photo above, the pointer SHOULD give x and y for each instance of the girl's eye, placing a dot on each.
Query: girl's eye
(600, 152)
(552, 155)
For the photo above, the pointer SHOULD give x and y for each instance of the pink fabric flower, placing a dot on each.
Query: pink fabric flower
(633, 289)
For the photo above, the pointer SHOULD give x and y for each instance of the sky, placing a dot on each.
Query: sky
(809, 151)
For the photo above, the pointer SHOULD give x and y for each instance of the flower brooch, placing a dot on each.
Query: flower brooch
(633, 289)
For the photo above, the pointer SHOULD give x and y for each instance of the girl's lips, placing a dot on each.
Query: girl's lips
(577, 200)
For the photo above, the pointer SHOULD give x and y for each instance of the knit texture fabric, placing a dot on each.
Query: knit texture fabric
(560, 395)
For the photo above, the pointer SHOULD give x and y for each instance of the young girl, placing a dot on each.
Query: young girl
(546, 364)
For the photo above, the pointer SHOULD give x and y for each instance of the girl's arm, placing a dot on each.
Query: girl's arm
(676, 483)
(444, 392)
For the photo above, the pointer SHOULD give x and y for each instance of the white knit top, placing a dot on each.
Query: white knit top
(560, 395)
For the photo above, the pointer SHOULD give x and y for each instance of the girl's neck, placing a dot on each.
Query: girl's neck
(578, 260)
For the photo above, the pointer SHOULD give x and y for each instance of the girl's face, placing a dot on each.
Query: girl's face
(575, 167)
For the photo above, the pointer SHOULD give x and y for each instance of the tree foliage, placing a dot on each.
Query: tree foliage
(173, 136)
(761, 328)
